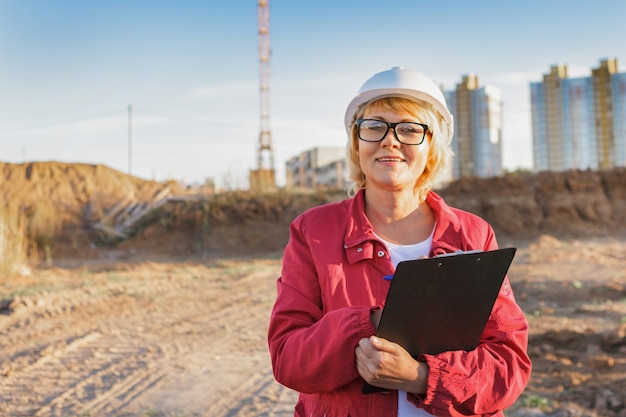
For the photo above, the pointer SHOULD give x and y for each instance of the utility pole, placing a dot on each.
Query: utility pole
(130, 139)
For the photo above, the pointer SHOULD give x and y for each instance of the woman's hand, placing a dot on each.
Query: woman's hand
(388, 365)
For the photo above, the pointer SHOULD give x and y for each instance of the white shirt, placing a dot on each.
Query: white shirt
(398, 254)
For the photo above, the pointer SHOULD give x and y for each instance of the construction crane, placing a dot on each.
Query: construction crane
(264, 177)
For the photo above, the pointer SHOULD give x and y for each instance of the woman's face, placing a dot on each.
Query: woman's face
(388, 164)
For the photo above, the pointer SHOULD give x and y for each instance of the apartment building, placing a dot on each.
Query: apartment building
(477, 141)
(320, 167)
(578, 123)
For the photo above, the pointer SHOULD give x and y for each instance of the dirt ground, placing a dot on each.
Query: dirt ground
(186, 337)
(182, 333)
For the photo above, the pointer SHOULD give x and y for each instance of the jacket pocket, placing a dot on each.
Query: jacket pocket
(307, 407)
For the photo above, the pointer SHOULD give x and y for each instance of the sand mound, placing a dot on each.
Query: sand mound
(64, 202)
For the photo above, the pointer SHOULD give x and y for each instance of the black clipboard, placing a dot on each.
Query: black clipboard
(442, 303)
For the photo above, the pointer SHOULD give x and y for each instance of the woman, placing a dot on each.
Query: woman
(331, 289)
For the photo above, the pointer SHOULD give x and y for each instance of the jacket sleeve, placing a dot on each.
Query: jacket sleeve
(312, 350)
(489, 378)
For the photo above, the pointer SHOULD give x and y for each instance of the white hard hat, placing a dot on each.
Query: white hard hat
(405, 83)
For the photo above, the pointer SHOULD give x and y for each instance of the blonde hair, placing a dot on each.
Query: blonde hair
(439, 154)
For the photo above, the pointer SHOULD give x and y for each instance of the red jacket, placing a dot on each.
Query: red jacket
(332, 277)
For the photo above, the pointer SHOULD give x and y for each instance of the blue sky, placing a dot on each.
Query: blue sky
(70, 69)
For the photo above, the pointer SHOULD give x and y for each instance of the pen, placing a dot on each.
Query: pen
(459, 252)
(388, 277)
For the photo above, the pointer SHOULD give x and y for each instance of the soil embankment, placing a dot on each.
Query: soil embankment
(64, 203)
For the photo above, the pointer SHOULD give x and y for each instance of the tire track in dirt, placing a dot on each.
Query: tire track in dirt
(137, 337)
(233, 340)
(62, 375)
(124, 391)
(88, 369)
(240, 343)
(73, 371)
(259, 396)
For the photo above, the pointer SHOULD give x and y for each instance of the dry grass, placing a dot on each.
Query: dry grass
(14, 244)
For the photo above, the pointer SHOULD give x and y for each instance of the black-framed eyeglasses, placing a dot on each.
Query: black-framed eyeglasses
(407, 133)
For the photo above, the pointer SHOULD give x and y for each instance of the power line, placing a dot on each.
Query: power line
(77, 119)
(67, 121)
(188, 119)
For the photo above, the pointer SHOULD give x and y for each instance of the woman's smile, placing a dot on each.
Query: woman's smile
(390, 159)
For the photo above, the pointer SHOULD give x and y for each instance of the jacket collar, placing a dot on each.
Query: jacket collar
(447, 237)
(358, 241)
(359, 227)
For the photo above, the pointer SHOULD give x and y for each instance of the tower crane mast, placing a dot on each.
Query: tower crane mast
(263, 178)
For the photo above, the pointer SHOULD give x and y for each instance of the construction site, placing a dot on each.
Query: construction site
(127, 297)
